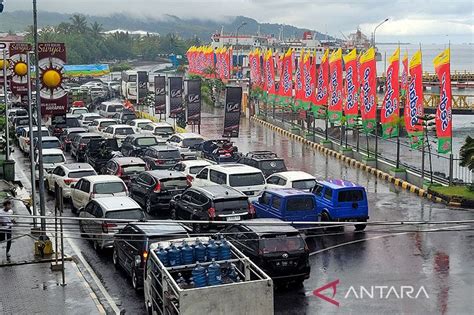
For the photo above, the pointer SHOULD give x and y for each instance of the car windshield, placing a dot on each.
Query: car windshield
(79, 111)
(163, 130)
(115, 108)
(91, 118)
(109, 188)
(22, 122)
(174, 183)
(131, 214)
(195, 169)
(105, 124)
(44, 133)
(305, 184)
(131, 169)
(170, 154)
(231, 204)
(128, 116)
(146, 142)
(124, 131)
(141, 125)
(281, 244)
(53, 144)
(300, 204)
(352, 195)
(53, 158)
(273, 165)
(191, 142)
(249, 179)
(80, 174)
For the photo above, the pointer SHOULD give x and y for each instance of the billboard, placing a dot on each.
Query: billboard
(142, 82)
(19, 68)
(176, 95)
(193, 100)
(233, 107)
(160, 94)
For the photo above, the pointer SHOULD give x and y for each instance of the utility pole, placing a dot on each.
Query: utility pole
(38, 118)
(30, 124)
(7, 132)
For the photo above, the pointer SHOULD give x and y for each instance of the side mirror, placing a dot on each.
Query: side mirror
(73, 185)
(177, 197)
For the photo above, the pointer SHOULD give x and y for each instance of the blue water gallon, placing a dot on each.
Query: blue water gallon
(200, 251)
(224, 250)
(233, 274)
(174, 256)
(199, 276)
(214, 274)
(163, 256)
(187, 254)
(212, 250)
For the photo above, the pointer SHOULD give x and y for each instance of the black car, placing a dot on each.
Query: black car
(153, 190)
(66, 138)
(134, 145)
(161, 157)
(266, 161)
(132, 243)
(79, 143)
(219, 150)
(211, 203)
(125, 116)
(58, 127)
(279, 249)
(99, 151)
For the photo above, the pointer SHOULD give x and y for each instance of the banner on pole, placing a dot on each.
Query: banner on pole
(335, 86)
(19, 68)
(52, 57)
(321, 97)
(444, 121)
(142, 84)
(368, 77)
(193, 100)
(351, 108)
(176, 96)
(390, 107)
(160, 94)
(414, 106)
(233, 107)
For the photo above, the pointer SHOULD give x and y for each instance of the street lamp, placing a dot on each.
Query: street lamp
(375, 29)
(237, 39)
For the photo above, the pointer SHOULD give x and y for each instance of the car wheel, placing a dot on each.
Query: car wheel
(81, 229)
(135, 283)
(360, 227)
(115, 258)
(148, 206)
(73, 208)
(173, 214)
(96, 246)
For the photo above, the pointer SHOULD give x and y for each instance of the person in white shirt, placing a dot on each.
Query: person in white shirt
(6, 224)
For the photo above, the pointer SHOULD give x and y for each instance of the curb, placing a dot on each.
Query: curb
(91, 292)
(352, 162)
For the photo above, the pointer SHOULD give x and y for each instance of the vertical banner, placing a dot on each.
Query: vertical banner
(286, 82)
(335, 86)
(351, 109)
(390, 107)
(321, 99)
(19, 68)
(444, 122)
(308, 81)
(404, 80)
(233, 104)
(52, 57)
(142, 84)
(414, 105)
(269, 77)
(193, 101)
(299, 82)
(160, 94)
(368, 78)
(176, 95)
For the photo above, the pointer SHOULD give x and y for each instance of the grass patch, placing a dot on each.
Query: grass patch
(454, 191)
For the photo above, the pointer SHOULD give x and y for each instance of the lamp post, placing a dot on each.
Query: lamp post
(375, 30)
(237, 39)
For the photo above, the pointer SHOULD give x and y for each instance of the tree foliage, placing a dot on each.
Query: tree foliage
(467, 154)
(86, 43)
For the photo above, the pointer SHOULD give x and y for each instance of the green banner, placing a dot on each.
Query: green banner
(416, 140)
(389, 131)
(368, 125)
(335, 116)
(445, 145)
(351, 120)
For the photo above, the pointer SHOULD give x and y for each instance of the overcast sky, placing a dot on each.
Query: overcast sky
(423, 20)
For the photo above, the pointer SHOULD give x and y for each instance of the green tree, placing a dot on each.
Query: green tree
(79, 23)
(466, 154)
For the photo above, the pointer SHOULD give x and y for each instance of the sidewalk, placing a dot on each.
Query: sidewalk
(28, 286)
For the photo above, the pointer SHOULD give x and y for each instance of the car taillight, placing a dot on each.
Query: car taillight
(82, 146)
(27, 141)
(106, 226)
(189, 179)
(212, 213)
(58, 130)
(251, 209)
(157, 187)
(158, 162)
(145, 255)
(68, 181)
(306, 248)
(120, 171)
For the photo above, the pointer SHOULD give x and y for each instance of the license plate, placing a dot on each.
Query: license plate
(284, 263)
(249, 193)
(234, 218)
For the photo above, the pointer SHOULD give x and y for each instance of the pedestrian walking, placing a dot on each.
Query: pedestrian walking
(6, 224)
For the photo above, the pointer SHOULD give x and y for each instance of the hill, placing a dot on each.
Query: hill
(18, 21)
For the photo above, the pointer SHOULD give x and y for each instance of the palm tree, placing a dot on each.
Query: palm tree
(79, 23)
(466, 154)
(64, 28)
(96, 29)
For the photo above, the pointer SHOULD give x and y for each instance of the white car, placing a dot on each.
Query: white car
(64, 175)
(191, 167)
(101, 124)
(78, 111)
(51, 159)
(87, 118)
(139, 123)
(109, 109)
(119, 132)
(292, 179)
(24, 139)
(185, 140)
(247, 179)
(91, 187)
(161, 129)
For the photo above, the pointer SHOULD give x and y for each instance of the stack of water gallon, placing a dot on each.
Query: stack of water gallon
(199, 264)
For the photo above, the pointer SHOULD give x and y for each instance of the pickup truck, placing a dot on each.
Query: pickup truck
(99, 151)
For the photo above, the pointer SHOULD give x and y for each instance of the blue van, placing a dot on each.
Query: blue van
(341, 200)
(287, 204)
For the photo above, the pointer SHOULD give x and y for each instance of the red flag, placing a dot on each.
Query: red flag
(351, 108)
(308, 82)
(444, 122)
(335, 86)
(390, 106)
(414, 105)
(321, 97)
(368, 78)
(269, 76)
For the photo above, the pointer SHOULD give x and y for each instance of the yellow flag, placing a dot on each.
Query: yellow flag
(416, 59)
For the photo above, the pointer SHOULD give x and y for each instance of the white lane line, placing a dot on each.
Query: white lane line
(78, 253)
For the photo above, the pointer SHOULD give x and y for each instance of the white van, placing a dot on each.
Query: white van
(51, 159)
(109, 109)
(247, 179)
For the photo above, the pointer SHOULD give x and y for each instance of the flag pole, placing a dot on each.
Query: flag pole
(451, 157)
(422, 139)
(398, 121)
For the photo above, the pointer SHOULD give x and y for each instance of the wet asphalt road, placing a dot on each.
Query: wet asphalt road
(439, 261)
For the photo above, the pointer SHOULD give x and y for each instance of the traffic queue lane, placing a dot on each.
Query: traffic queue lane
(378, 256)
